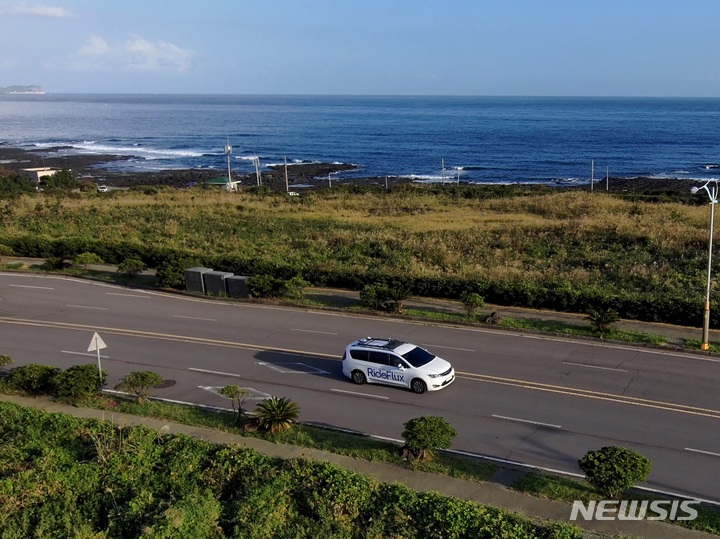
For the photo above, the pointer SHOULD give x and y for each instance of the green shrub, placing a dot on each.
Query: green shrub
(613, 470)
(139, 383)
(53, 263)
(424, 434)
(33, 378)
(79, 382)
(86, 259)
(171, 271)
(276, 414)
(269, 286)
(377, 297)
(131, 267)
(5, 250)
(472, 302)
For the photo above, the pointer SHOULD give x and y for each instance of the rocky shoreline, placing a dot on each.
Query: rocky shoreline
(90, 167)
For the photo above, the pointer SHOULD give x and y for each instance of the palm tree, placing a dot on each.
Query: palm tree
(276, 414)
(602, 319)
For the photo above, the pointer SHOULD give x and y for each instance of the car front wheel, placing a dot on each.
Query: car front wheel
(358, 377)
(418, 386)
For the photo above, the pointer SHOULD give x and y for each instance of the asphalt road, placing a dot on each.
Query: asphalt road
(538, 400)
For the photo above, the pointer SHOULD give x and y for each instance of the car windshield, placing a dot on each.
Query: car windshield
(417, 357)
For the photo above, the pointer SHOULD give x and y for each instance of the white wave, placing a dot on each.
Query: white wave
(429, 178)
(93, 147)
(138, 151)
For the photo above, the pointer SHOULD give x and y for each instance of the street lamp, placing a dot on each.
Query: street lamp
(712, 193)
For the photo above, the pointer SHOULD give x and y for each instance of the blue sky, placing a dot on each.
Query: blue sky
(379, 47)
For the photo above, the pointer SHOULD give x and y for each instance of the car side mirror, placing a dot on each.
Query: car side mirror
(400, 366)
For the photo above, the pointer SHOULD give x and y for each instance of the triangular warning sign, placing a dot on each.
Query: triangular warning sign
(96, 343)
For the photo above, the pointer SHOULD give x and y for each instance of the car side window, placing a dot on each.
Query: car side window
(396, 360)
(381, 358)
(360, 355)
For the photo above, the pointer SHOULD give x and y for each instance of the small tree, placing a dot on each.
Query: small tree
(613, 470)
(238, 396)
(86, 259)
(79, 382)
(130, 267)
(139, 383)
(602, 319)
(472, 302)
(424, 434)
(276, 414)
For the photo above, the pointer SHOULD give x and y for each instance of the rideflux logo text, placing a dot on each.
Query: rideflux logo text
(634, 510)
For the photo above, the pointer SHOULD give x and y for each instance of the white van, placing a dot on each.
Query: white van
(395, 363)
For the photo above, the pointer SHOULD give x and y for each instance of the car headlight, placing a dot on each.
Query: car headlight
(434, 375)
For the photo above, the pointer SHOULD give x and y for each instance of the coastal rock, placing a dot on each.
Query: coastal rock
(311, 174)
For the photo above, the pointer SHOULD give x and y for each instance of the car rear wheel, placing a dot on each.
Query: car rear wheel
(418, 386)
(358, 377)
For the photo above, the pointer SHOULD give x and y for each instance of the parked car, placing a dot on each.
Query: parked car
(102, 188)
(396, 363)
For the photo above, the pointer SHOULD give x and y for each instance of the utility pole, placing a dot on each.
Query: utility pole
(607, 178)
(257, 169)
(287, 187)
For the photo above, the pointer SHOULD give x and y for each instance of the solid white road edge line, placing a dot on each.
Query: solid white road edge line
(86, 307)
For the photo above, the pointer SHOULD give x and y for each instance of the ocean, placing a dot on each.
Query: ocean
(486, 140)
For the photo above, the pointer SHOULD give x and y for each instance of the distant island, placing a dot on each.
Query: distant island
(31, 89)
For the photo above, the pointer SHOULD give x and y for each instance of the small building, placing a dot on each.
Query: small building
(36, 173)
(222, 181)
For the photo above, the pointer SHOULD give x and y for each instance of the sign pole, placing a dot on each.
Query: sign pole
(96, 343)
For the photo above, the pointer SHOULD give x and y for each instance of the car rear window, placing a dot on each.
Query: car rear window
(417, 357)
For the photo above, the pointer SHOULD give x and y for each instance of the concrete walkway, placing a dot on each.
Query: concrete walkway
(487, 493)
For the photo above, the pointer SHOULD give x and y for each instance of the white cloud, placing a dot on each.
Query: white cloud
(93, 46)
(137, 53)
(145, 54)
(36, 10)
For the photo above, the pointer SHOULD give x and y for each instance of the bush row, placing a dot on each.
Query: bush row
(74, 384)
(554, 294)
